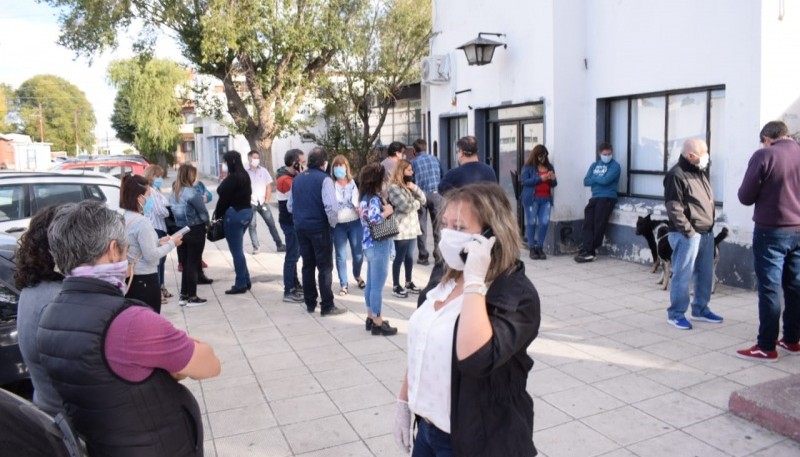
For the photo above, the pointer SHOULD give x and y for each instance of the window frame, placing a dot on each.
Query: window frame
(630, 172)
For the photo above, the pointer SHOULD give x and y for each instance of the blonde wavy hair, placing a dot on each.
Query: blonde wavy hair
(399, 172)
(490, 205)
(151, 172)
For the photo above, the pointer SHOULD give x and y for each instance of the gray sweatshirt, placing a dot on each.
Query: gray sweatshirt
(143, 245)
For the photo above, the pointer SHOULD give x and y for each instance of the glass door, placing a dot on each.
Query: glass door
(507, 157)
(513, 143)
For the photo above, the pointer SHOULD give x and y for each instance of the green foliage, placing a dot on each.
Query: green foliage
(6, 107)
(147, 110)
(65, 112)
(121, 120)
(385, 43)
(268, 53)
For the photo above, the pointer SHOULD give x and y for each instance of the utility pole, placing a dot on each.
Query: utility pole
(76, 133)
(41, 124)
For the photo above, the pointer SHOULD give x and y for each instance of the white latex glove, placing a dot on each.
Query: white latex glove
(402, 426)
(479, 256)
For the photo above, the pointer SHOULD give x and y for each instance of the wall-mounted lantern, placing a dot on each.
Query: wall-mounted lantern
(480, 50)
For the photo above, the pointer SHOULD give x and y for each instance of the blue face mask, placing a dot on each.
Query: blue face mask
(339, 172)
(148, 205)
(158, 182)
(605, 158)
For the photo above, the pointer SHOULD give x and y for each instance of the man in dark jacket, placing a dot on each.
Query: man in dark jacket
(772, 183)
(690, 208)
(295, 162)
(312, 202)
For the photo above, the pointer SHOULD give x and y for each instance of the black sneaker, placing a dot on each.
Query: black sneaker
(195, 301)
(423, 261)
(281, 248)
(332, 311)
(293, 298)
(533, 254)
(236, 290)
(410, 287)
(203, 279)
(368, 324)
(542, 255)
(384, 329)
(584, 257)
(182, 299)
(399, 292)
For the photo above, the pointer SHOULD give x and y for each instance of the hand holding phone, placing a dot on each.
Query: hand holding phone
(478, 257)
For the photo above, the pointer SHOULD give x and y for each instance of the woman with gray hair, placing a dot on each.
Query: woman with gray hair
(116, 363)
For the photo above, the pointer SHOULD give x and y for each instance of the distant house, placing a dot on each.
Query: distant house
(19, 152)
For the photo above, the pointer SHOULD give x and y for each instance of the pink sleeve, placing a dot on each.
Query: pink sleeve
(139, 341)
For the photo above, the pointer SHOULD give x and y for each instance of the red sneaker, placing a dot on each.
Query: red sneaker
(757, 354)
(793, 348)
(180, 267)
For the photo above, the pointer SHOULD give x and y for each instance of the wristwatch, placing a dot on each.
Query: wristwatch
(479, 289)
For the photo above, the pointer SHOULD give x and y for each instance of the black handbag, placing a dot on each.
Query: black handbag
(172, 227)
(216, 231)
(384, 229)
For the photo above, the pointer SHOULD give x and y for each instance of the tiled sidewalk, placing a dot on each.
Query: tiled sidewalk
(612, 378)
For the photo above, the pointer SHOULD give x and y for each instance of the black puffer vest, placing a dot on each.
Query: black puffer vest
(152, 418)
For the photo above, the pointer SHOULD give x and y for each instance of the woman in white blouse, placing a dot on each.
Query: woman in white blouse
(348, 230)
(467, 344)
(157, 213)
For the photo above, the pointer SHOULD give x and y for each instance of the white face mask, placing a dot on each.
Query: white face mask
(254, 163)
(225, 167)
(451, 245)
(704, 160)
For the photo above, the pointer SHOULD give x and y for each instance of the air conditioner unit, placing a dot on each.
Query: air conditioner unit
(435, 69)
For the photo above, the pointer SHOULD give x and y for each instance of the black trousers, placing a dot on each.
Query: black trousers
(147, 289)
(316, 249)
(191, 250)
(595, 221)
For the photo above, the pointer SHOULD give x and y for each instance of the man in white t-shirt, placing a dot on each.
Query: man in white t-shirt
(261, 183)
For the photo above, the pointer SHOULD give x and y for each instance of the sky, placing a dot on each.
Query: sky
(28, 35)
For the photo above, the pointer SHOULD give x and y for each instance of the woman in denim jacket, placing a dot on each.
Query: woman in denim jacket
(189, 210)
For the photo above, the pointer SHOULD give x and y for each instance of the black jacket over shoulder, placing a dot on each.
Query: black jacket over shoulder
(491, 413)
(157, 417)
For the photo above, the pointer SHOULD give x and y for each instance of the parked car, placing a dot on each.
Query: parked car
(13, 372)
(22, 193)
(117, 166)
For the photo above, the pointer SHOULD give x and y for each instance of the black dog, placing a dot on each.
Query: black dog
(655, 232)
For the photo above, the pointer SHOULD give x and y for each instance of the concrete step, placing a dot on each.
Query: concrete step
(774, 405)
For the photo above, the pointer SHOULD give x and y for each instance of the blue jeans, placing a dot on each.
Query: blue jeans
(776, 260)
(236, 223)
(316, 249)
(266, 214)
(431, 442)
(692, 260)
(537, 212)
(290, 279)
(404, 256)
(377, 270)
(353, 233)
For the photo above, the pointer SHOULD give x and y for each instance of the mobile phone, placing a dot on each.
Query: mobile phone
(182, 231)
(488, 233)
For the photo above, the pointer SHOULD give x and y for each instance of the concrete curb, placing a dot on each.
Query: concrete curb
(774, 405)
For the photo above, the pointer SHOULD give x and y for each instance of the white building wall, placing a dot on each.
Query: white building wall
(630, 47)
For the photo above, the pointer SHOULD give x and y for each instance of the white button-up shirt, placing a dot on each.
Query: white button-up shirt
(259, 180)
(430, 356)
